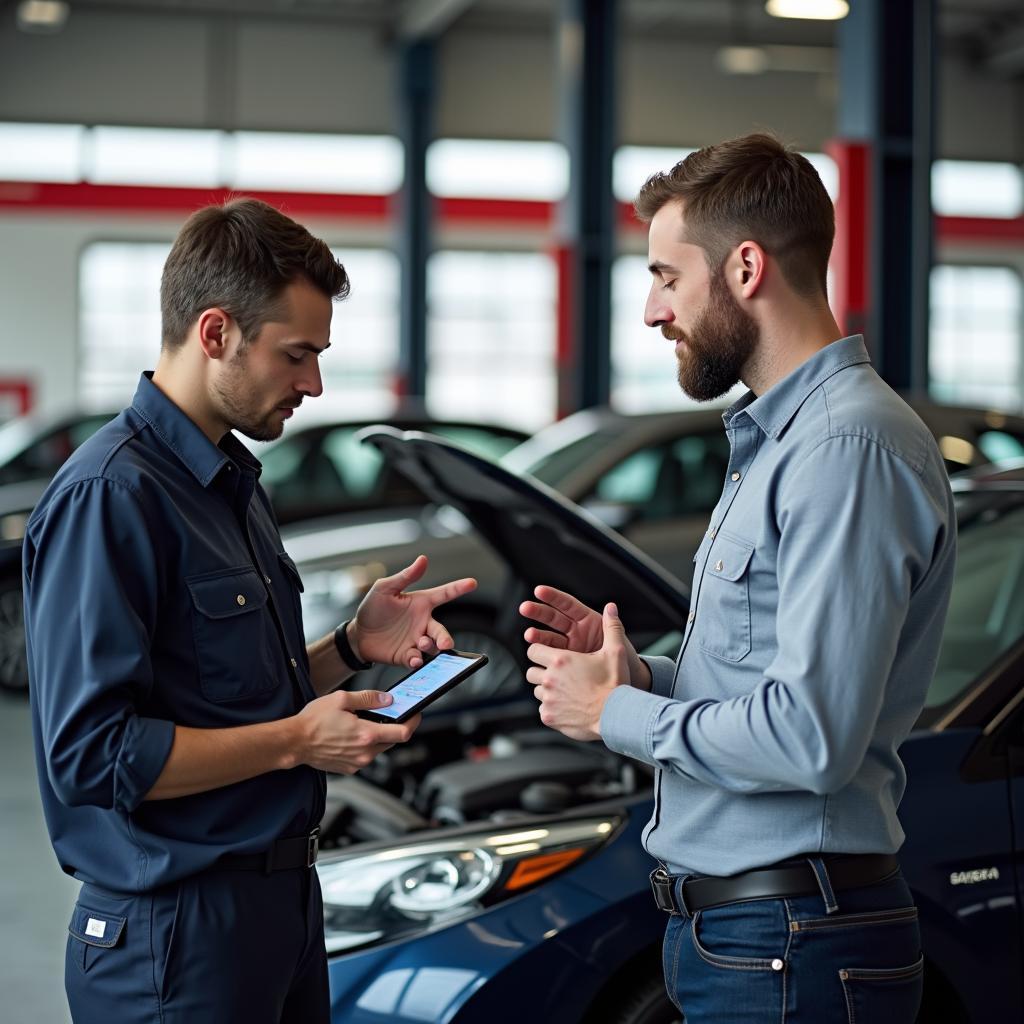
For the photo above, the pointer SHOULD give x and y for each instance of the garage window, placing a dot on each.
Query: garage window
(491, 337)
(975, 336)
(119, 322)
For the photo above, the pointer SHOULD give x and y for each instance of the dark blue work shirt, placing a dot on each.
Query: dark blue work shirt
(157, 592)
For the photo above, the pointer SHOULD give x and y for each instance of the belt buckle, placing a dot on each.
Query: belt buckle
(661, 887)
(312, 847)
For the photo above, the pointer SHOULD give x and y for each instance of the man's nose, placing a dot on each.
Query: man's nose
(657, 311)
(312, 383)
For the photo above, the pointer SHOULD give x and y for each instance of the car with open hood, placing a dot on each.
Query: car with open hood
(492, 869)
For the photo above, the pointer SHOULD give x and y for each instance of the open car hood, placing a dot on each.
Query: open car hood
(539, 534)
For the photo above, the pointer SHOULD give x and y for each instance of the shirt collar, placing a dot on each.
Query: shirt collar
(196, 451)
(773, 410)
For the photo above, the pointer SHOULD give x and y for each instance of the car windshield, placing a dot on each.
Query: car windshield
(986, 610)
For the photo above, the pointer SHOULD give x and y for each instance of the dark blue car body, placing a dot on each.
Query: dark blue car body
(584, 945)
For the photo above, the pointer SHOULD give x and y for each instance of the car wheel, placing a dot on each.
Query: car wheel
(13, 658)
(648, 1003)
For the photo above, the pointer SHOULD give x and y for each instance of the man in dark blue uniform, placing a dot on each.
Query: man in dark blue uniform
(182, 726)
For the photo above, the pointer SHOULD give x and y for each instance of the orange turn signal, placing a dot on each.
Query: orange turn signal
(533, 869)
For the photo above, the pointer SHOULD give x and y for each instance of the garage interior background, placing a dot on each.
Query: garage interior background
(124, 115)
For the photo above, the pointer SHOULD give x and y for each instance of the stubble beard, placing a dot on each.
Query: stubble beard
(718, 346)
(239, 406)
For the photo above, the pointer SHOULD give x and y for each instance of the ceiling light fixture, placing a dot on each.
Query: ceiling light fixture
(42, 15)
(813, 10)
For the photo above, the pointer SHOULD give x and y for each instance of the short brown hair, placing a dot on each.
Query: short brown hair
(241, 256)
(752, 187)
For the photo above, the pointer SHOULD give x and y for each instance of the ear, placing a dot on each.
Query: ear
(215, 326)
(746, 270)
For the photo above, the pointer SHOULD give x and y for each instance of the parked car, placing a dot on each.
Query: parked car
(655, 478)
(492, 869)
(32, 449)
(313, 470)
(321, 469)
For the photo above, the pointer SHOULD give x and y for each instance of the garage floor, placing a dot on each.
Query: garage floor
(36, 897)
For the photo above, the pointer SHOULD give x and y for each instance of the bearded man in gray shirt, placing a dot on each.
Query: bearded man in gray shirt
(818, 601)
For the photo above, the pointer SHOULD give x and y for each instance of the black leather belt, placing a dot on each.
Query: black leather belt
(793, 878)
(284, 855)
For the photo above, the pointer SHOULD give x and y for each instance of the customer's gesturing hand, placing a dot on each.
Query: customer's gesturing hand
(572, 687)
(574, 626)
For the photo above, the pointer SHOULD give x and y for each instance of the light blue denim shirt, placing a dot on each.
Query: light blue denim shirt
(819, 595)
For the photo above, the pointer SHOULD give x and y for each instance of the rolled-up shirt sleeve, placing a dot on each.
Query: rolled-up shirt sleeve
(91, 582)
(844, 587)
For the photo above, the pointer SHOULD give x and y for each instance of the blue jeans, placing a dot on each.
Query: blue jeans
(791, 961)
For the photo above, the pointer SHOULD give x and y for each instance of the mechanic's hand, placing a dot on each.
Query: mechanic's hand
(398, 628)
(572, 687)
(574, 627)
(333, 739)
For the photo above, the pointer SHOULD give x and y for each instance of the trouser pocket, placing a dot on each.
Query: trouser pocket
(877, 996)
(92, 933)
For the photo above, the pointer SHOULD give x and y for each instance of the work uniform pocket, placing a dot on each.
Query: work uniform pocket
(233, 634)
(887, 996)
(292, 601)
(90, 933)
(723, 612)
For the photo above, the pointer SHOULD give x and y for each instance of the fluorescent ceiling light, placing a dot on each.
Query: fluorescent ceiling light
(42, 15)
(813, 10)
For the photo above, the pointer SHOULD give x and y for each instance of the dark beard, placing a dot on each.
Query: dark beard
(719, 345)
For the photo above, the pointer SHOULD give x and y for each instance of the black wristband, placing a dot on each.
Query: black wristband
(345, 649)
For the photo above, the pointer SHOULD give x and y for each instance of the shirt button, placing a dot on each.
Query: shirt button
(735, 477)
(712, 533)
(270, 582)
(719, 566)
(777, 965)
(691, 617)
(295, 664)
(240, 599)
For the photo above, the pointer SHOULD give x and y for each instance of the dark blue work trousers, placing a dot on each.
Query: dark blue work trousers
(221, 946)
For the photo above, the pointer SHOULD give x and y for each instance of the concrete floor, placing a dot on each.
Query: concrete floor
(36, 897)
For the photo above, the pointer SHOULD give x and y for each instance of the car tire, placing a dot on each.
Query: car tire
(13, 656)
(647, 1003)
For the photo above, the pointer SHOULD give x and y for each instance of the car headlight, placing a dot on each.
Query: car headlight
(396, 892)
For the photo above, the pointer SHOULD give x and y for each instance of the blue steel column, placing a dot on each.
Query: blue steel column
(587, 62)
(886, 100)
(416, 119)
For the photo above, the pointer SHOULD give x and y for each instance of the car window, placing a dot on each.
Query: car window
(999, 446)
(320, 471)
(986, 611)
(666, 481)
(478, 440)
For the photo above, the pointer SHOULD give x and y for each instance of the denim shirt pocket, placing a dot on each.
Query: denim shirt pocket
(233, 634)
(723, 617)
